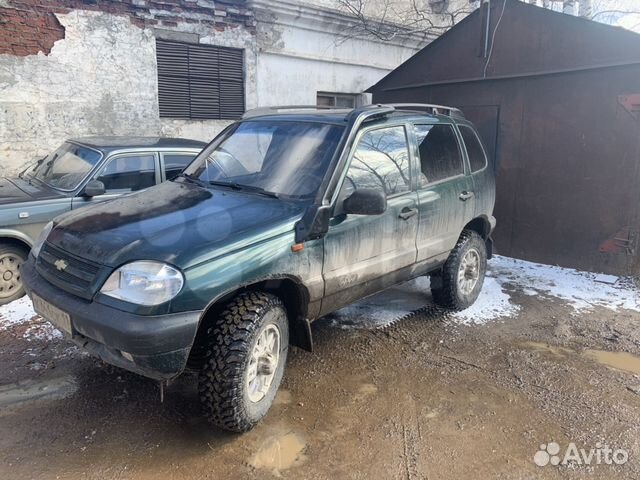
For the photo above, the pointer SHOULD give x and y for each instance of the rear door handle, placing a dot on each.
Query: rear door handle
(464, 196)
(407, 213)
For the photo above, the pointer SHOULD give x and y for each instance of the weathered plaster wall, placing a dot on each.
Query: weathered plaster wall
(98, 79)
(101, 79)
(95, 72)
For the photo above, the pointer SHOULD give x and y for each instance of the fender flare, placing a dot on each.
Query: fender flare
(16, 235)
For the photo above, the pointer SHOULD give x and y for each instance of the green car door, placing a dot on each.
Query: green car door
(365, 253)
(445, 190)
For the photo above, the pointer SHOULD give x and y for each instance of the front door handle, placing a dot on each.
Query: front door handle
(464, 196)
(407, 213)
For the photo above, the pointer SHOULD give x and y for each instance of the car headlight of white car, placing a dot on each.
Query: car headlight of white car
(37, 246)
(144, 283)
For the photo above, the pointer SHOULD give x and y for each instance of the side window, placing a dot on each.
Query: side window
(174, 163)
(129, 173)
(477, 157)
(381, 160)
(439, 153)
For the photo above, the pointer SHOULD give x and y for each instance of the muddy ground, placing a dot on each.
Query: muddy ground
(424, 398)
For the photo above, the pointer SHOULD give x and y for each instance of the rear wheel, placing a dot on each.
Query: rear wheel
(11, 259)
(246, 353)
(457, 285)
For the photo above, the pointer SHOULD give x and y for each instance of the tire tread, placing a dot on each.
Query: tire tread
(445, 295)
(227, 347)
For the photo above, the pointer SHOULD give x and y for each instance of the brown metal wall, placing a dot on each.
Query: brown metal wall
(567, 159)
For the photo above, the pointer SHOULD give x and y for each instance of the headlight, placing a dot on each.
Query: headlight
(144, 283)
(41, 239)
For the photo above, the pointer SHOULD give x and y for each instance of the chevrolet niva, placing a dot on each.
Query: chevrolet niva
(287, 215)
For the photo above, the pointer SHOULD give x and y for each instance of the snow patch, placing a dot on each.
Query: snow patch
(581, 290)
(20, 312)
(42, 332)
(492, 303)
(16, 313)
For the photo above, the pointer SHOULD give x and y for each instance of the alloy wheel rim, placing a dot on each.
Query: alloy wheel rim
(263, 363)
(10, 276)
(469, 271)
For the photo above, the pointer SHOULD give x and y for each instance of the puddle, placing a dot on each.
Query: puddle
(30, 391)
(622, 361)
(617, 360)
(546, 348)
(280, 452)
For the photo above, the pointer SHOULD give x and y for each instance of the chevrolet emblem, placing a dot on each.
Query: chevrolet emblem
(61, 265)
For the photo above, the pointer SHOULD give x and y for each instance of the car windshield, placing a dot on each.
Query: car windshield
(281, 158)
(66, 167)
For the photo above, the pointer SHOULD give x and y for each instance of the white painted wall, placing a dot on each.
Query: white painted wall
(302, 51)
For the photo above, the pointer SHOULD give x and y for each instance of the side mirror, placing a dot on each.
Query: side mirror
(366, 201)
(93, 189)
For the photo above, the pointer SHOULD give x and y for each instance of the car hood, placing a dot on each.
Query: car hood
(175, 222)
(15, 190)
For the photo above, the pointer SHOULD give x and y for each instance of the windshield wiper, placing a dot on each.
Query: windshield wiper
(248, 188)
(192, 179)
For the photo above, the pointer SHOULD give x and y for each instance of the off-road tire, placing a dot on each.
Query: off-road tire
(444, 282)
(21, 253)
(228, 344)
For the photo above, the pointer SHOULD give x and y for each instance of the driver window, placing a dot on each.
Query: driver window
(129, 173)
(380, 161)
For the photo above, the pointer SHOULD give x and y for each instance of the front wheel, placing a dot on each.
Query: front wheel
(247, 351)
(457, 285)
(11, 259)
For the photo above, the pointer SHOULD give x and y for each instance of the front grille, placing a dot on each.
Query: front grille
(70, 273)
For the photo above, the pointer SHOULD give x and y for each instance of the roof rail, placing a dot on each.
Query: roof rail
(369, 112)
(256, 112)
(431, 108)
(374, 110)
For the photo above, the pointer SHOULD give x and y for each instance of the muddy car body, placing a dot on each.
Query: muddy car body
(221, 272)
(81, 172)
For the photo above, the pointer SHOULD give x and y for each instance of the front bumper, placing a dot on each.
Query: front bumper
(153, 346)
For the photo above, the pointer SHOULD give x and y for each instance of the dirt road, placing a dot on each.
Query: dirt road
(427, 397)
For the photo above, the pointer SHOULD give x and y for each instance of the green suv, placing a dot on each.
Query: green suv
(79, 173)
(289, 214)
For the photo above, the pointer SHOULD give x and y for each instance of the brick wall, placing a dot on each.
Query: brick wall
(30, 26)
(25, 32)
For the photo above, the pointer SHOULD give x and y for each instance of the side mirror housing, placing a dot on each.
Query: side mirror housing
(366, 201)
(93, 189)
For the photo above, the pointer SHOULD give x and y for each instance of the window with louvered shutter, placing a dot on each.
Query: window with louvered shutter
(200, 82)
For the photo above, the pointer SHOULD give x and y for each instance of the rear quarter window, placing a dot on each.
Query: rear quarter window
(477, 157)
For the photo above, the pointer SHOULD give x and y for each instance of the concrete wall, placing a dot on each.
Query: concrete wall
(93, 70)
